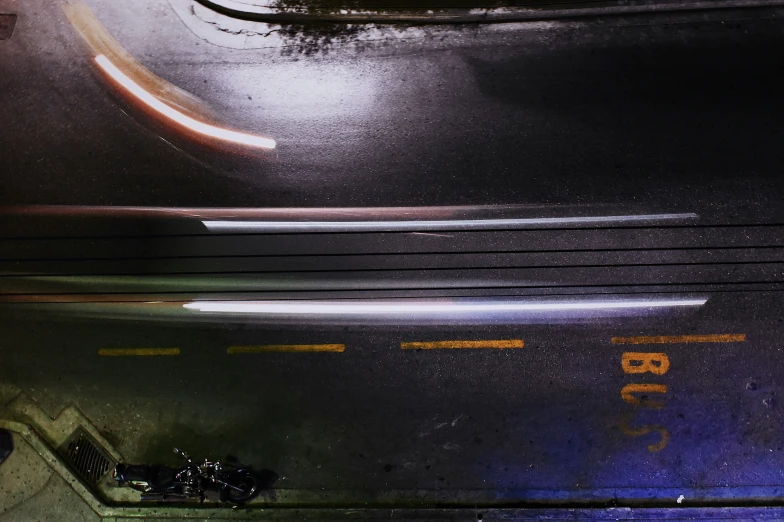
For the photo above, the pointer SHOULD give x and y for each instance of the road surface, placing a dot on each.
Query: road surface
(577, 225)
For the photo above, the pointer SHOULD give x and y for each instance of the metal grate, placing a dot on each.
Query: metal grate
(86, 456)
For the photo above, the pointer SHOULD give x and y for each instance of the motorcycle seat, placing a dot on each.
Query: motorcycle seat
(136, 473)
(155, 476)
(161, 476)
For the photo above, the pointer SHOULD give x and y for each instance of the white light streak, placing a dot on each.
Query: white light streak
(430, 309)
(175, 115)
(411, 225)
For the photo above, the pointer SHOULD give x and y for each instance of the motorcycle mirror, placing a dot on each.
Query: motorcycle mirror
(182, 454)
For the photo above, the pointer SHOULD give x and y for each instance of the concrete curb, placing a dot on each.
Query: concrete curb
(57, 430)
(263, 13)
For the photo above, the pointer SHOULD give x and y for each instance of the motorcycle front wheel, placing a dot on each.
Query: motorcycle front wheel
(248, 487)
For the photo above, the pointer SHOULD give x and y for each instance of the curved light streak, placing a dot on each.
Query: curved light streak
(186, 121)
(429, 309)
(411, 225)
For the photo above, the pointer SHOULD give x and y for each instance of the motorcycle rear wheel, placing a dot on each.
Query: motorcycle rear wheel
(248, 484)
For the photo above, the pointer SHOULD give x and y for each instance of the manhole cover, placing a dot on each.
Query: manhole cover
(7, 23)
(86, 456)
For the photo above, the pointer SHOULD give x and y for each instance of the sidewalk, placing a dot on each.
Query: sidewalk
(32, 490)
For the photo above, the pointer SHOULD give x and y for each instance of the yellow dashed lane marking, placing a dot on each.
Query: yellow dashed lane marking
(672, 339)
(287, 348)
(123, 352)
(436, 345)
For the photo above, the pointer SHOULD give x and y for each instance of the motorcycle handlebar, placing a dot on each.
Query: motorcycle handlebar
(182, 454)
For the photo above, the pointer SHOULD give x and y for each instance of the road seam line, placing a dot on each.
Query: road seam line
(675, 339)
(436, 345)
(126, 352)
(269, 348)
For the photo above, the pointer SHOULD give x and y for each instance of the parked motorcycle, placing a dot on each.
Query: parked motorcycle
(234, 483)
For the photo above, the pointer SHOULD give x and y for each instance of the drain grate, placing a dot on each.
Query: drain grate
(86, 456)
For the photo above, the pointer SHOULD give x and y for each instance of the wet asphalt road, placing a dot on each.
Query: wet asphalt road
(625, 116)
(638, 114)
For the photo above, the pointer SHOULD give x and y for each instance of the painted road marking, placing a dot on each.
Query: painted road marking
(672, 339)
(638, 363)
(664, 434)
(123, 352)
(287, 348)
(436, 345)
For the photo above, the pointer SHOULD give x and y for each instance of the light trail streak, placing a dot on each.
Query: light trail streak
(434, 309)
(176, 116)
(429, 225)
